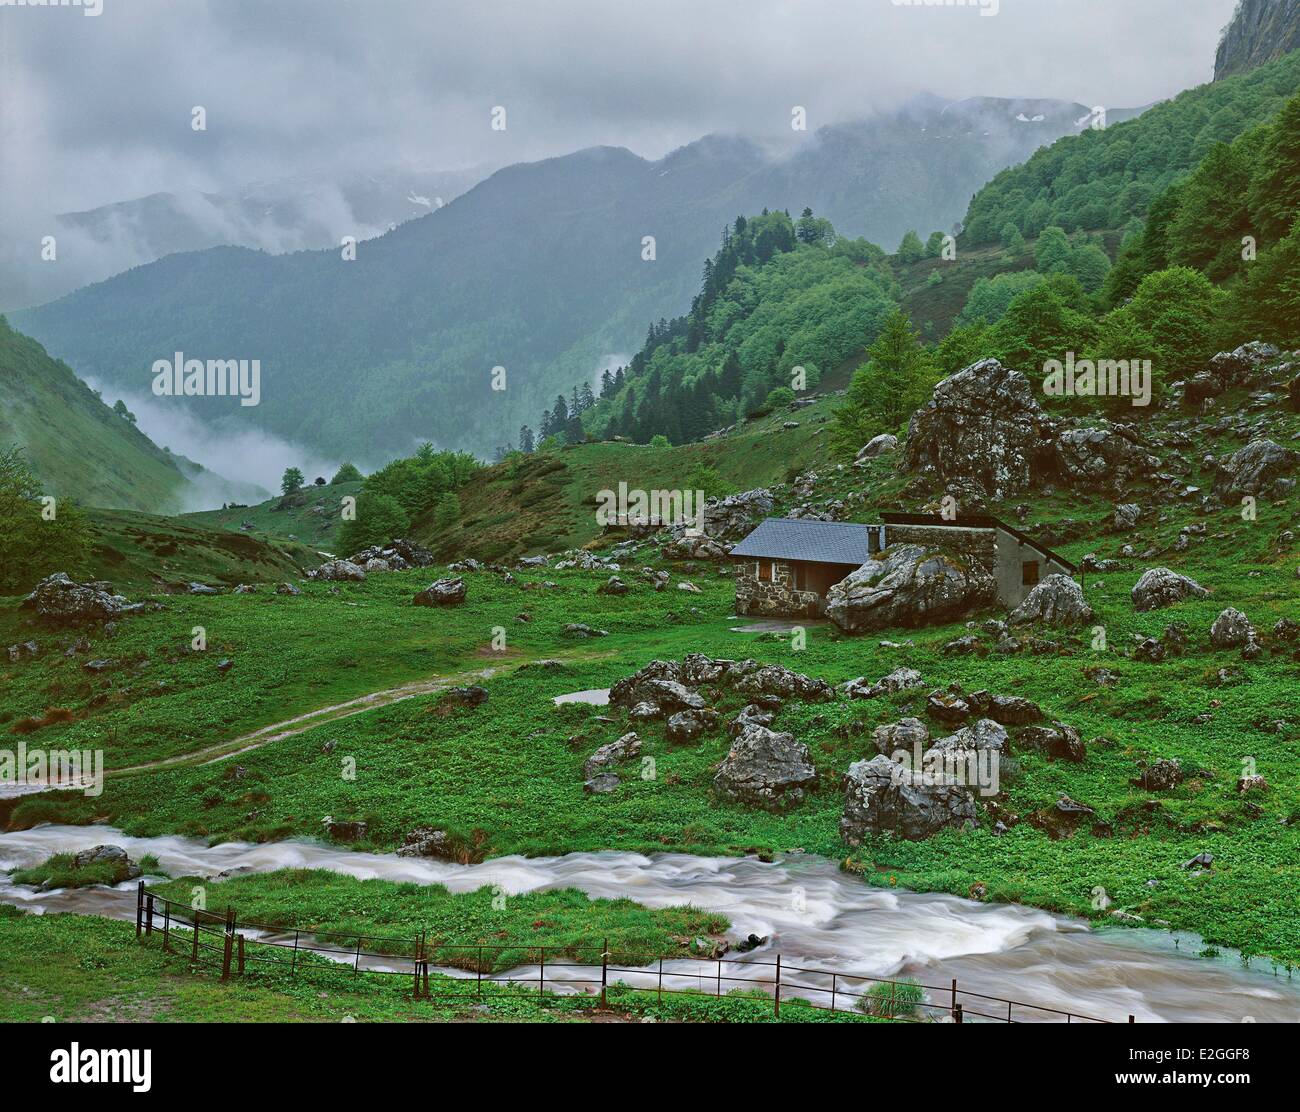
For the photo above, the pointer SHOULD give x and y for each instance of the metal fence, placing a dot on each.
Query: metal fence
(222, 941)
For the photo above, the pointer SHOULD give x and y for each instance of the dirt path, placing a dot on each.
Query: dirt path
(278, 731)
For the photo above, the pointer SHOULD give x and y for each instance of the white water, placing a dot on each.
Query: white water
(815, 915)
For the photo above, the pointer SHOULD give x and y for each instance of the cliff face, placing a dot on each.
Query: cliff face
(1260, 31)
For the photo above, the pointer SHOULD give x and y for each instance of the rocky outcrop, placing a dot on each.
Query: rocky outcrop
(59, 600)
(669, 684)
(877, 446)
(1056, 600)
(908, 585)
(1106, 458)
(114, 857)
(1058, 742)
(1160, 775)
(608, 756)
(442, 592)
(900, 679)
(396, 555)
(905, 736)
(882, 797)
(343, 570)
(1253, 469)
(730, 519)
(1231, 630)
(1161, 587)
(1260, 31)
(765, 769)
(983, 434)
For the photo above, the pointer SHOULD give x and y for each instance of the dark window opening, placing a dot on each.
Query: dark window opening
(1029, 573)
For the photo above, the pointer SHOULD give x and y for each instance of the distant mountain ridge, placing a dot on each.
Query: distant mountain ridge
(310, 211)
(1260, 31)
(538, 269)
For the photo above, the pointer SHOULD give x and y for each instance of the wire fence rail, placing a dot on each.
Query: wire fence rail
(222, 941)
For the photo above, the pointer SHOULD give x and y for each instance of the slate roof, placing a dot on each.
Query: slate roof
(821, 542)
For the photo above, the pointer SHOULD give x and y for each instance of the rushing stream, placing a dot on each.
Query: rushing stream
(814, 915)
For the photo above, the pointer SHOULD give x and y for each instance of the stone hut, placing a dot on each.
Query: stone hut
(786, 566)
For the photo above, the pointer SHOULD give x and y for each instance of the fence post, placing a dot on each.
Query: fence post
(956, 1014)
(1131, 1019)
(777, 997)
(241, 955)
(719, 992)
(604, 970)
(541, 970)
(167, 923)
(834, 977)
(661, 981)
(148, 915)
(194, 956)
(139, 909)
(229, 944)
(293, 961)
(416, 963)
(480, 969)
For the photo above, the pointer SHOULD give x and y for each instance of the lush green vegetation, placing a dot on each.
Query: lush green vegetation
(414, 757)
(1104, 179)
(61, 871)
(77, 968)
(780, 305)
(47, 408)
(388, 916)
(36, 536)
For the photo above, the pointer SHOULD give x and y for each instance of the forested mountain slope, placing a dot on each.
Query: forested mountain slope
(76, 444)
(539, 269)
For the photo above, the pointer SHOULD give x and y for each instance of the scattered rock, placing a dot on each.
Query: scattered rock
(908, 585)
(344, 831)
(1231, 630)
(1009, 710)
(765, 769)
(1056, 600)
(687, 725)
(470, 696)
(1253, 469)
(1058, 742)
(905, 736)
(287, 589)
(1160, 775)
(339, 570)
(612, 586)
(58, 600)
(1127, 515)
(1161, 587)
(425, 841)
(899, 679)
(947, 707)
(601, 784)
(604, 758)
(442, 592)
(882, 797)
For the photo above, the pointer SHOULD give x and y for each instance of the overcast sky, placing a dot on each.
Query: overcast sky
(97, 109)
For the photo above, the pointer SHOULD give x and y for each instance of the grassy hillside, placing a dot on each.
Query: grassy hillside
(136, 551)
(311, 516)
(78, 446)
